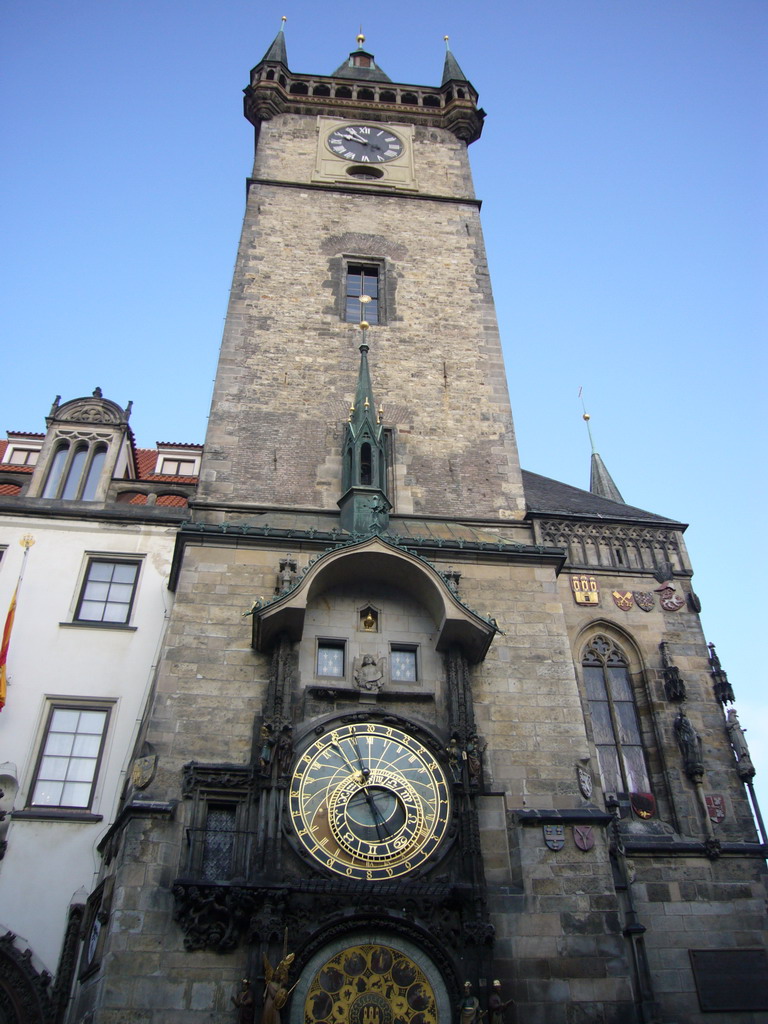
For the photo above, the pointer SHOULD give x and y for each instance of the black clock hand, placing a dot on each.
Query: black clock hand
(337, 748)
(366, 771)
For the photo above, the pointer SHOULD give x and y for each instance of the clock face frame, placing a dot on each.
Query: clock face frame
(365, 143)
(368, 801)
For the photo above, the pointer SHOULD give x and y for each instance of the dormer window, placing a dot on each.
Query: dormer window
(22, 456)
(22, 450)
(177, 461)
(178, 467)
(75, 471)
(361, 60)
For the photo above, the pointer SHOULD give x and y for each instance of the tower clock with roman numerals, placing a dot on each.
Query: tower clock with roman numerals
(365, 144)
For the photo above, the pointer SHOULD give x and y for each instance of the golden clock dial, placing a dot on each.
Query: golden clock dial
(369, 801)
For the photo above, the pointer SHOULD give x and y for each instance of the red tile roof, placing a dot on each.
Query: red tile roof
(10, 489)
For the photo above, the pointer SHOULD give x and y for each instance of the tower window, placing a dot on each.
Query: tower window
(218, 842)
(366, 465)
(330, 659)
(614, 718)
(362, 280)
(404, 668)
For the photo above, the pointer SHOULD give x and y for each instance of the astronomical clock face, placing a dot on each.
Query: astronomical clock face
(365, 143)
(368, 801)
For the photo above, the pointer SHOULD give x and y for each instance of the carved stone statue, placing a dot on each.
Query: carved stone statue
(265, 754)
(736, 735)
(285, 750)
(689, 742)
(276, 990)
(469, 1007)
(745, 768)
(245, 1003)
(369, 673)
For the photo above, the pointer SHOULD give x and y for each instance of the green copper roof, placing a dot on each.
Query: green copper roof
(451, 70)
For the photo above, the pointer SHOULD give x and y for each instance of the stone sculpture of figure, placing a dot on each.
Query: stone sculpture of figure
(453, 750)
(285, 750)
(276, 990)
(469, 1007)
(496, 1005)
(244, 1003)
(369, 675)
(267, 742)
(689, 742)
(736, 735)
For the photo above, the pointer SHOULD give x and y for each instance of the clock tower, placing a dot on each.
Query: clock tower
(368, 782)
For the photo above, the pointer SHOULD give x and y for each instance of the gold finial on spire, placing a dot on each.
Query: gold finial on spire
(381, 414)
(283, 19)
(360, 38)
(586, 417)
(446, 38)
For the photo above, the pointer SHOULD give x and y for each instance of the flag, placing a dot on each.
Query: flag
(4, 649)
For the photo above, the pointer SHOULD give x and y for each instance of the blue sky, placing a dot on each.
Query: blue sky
(623, 177)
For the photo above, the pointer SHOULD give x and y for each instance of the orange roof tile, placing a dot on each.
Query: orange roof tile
(10, 489)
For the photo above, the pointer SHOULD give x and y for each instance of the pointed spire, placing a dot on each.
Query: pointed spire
(451, 70)
(277, 52)
(364, 407)
(600, 480)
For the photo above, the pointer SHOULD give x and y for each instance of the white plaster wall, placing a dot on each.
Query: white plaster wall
(48, 861)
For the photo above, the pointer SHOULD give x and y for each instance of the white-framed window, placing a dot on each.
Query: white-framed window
(108, 590)
(15, 455)
(70, 755)
(178, 467)
(177, 461)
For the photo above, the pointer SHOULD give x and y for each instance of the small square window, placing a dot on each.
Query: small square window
(69, 759)
(330, 659)
(23, 456)
(404, 668)
(178, 467)
(362, 280)
(108, 591)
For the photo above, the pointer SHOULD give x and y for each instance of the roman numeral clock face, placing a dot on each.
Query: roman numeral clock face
(369, 801)
(365, 144)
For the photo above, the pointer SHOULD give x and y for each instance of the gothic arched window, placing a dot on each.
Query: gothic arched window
(615, 724)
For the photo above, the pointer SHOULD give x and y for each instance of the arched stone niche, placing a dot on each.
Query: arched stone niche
(378, 563)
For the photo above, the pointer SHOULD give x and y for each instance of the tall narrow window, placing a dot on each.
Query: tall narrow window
(362, 280)
(75, 472)
(614, 718)
(58, 462)
(218, 842)
(94, 472)
(366, 465)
